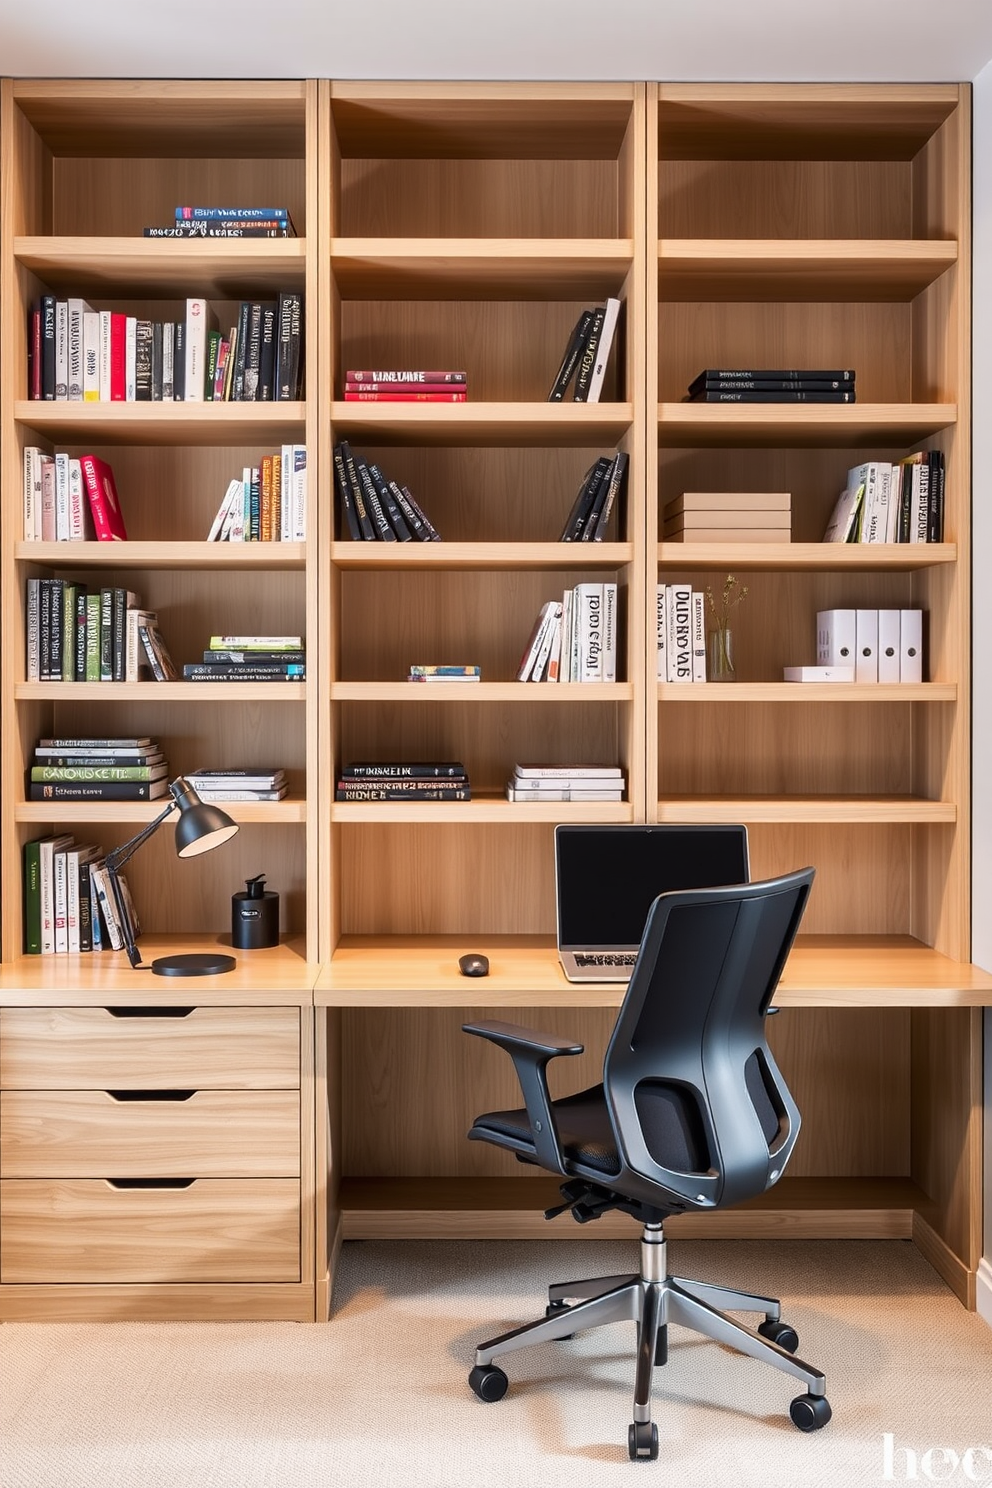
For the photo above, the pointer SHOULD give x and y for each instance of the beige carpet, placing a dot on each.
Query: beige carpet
(379, 1396)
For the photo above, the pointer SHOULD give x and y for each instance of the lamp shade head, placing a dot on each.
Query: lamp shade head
(201, 826)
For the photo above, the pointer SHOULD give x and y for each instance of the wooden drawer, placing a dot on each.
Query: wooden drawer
(95, 1134)
(214, 1230)
(95, 1048)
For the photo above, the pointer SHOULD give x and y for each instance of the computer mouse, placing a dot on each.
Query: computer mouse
(473, 964)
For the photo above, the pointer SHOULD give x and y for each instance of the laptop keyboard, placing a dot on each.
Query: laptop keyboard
(605, 958)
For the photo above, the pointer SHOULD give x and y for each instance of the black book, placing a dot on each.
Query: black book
(143, 361)
(267, 354)
(772, 374)
(772, 384)
(85, 906)
(253, 352)
(572, 530)
(431, 532)
(239, 657)
(48, 346)
(419, 769)
(371, 792)
(596, 531)
(179, 361)
(295, 368)
(570, 360)
(389, 505)
(587, 356)
(97, 790)
(157, 329)
(383, 528)
(57, 631)
(935, 497)
(284, 381)
(240, 352)
(756, 397)
(106, 635)
(412, 518)
(345, 497)
(357, 493)
(79, 659)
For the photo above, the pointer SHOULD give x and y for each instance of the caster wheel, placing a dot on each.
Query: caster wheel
(780, 1333)
(810, 1412)
(555, 1309)
(488, 1382)
(642, 1441)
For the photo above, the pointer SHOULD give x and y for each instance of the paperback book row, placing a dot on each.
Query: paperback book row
(583, 783)
(865, 646)
(575, 639)
(226, 222)
(250, 658)
(268, 503)
(78, 354)
(587, 352)
(70, 500)
(398, 386)
(891, 503)
(772, 385)
(86, 769)
(400, 780)
(68, 899)
(374, 507)
(104, 635)
(680, 628)
(603, 483)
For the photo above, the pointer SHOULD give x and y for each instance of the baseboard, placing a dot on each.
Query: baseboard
(983, 1291)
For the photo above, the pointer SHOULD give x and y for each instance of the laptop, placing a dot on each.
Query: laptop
(607, 878)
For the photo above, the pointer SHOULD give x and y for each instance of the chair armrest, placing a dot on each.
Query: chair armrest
(530, 1052)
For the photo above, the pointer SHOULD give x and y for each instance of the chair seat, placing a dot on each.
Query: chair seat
(584, 1128)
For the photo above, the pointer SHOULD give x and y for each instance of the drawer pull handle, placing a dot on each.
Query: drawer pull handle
(150, 1012)
(151, 1182)
(151, 1095)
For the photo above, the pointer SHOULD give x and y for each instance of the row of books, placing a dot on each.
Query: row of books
(891, 503)
(375, 508)
(268, 503)
(680, 631)
(87, 769)
(77, 635)
(68, 900)
(586, 354)
(728, 516)
(772, 385)
(398, 386)
(66, 499)
(574, 639)
(393, 780)
(78, 354)
(250, 658)
(592, 508)
(226, 787)
(226, 222)
(566, 783)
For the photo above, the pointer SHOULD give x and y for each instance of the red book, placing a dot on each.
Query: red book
(34, 353)
(118, 357)
(404, 397)
(101, 490)
(406, 376)
(405, 387)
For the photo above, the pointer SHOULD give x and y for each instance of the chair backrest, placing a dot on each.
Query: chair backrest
(700, 1111)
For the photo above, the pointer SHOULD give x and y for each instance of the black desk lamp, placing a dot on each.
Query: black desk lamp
(200, 828)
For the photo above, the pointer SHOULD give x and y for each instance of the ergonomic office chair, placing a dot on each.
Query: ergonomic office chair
(692, 1114)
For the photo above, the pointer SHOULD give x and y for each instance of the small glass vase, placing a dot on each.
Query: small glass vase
(720, 655)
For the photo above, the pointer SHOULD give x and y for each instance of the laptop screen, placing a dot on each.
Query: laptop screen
(608, 877)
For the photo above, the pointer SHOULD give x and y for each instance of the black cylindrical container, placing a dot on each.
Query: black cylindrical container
(254, 916)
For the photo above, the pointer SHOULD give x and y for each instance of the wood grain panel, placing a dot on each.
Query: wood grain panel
(946, 1123)
(785, 199)
(107, 197)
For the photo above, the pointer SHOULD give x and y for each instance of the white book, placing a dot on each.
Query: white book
(844, 517)
(48, 517)
(589, 624)
(60, 899)
(104, 378)
(234, 492)
(61, 496)
(32, 493)
(91, 356)
(875, 517)
(609, 631)
(893, 497)
(130, 358)
(108, 914)
(606, 335)
(577, 772)
(835, 637)
(80, 516)
(298, 520)
(136, 664)
(678, 629)
(77, 309)
(73, 857)
(46, 876)
(197, 325)
(554, 658)
(698, 636)
(866, 646)
(661, 671)
(818, 674)
(535, 641)
(539, 669)
(168, 361)
(61, 350)
(572, 782)
(888, 646)
(522, 793)
(911, 646)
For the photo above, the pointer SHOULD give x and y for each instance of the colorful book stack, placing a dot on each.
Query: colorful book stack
(891, 503)
(70, 500)
(586, 355)
(566, 783)
(98, 770)
(772, 385)
(443, 674)
(268, 503)
(729, 516)
(574, 639)
(388, 780)
(400, 386)
(250, 658)
(227, 222)
(375, 508)
(251, 783)
(602, 483)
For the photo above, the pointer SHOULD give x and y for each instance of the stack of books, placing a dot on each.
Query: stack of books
(886, 503)
(74, 635)
(594, 503)
(574, 639)
(445, 674)
(68, 900)
(772, 385)
(258, 783)
(586, 355)
(70, 500)
(729, 516)
(250, 658)
(566, 783)
(388, 780)
(88, 769)
(443, 386)
(268, 503)
(227, 222)
(375, 508)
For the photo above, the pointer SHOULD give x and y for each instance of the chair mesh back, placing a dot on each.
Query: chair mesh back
(673, 1126)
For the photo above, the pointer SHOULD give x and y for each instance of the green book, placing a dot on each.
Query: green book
(32, 898)
(98, 772)
(92, 666)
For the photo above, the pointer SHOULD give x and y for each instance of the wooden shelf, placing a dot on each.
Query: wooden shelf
(482, 424)
(833, 810)
(482, 692)
(815, 557)
(269, 556)
(479, 268)
(800, 269)
(807, 692)
(483, 808)
(155, 692)
(218, 268)
(808, 425)
(166, 423)
(460, 556)
(81, 813)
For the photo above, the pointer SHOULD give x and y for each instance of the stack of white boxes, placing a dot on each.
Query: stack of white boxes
(729, 516)
(868, 646)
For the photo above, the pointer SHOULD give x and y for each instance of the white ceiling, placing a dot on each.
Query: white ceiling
(803, 40)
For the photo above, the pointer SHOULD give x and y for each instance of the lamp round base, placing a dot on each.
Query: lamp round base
(205, 963)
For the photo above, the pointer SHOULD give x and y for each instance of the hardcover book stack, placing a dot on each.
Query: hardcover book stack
(602, 483)
(586, 355)
(574, 639)
(98, 770)
(375, 508)
(680, 633)
(70, 500)
(729, 516)
(74, 635)
(423, 386)
(388, 780)
(442, 674)
(772, 385)
(78, 354)
(227, 222)
(250, 658)
(268, 503)
(225, 787)
(891, 503)
(582, 783)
